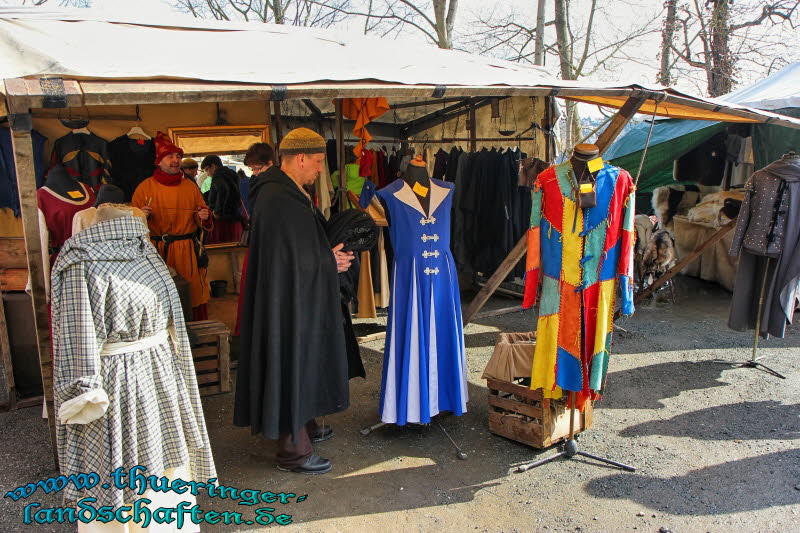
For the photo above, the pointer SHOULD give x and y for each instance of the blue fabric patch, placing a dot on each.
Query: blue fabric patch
(626, 286)
(569, 375)
(610, 262)
(550, 250)
(606, 183)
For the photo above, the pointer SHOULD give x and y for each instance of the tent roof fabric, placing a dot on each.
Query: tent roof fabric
(673, 138)
(123, 61)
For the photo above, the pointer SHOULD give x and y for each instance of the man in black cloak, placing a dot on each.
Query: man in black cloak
(293, 362)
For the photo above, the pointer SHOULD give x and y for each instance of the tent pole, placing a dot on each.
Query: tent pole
(21, 126)
(518, 252)
(340, 153)
(623, 116)
(276, 107)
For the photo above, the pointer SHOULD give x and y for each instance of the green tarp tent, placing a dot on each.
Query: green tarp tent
(672, 138)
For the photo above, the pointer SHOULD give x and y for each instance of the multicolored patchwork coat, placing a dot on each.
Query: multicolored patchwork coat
(578, 257)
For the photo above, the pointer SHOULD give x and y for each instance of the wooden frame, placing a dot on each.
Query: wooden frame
(188, 138)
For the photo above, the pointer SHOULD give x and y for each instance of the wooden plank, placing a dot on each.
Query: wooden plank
(12, 253)
(680, 265)
(209, 390)
(371, 337)
(204, 351)
(26, 185)
(209, 364)
(224, 363)
(498, 312)
(517, 407)
(513, 388)
(619, 121)
(508, 264)
(13, 279)
(5, 354)
(516, 429)
(208, 378)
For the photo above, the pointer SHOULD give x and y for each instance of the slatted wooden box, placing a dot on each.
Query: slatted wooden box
(521, 414)
(211, 352)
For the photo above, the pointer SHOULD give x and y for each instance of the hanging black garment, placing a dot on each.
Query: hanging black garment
(223, 198)
(767, 240)
(9, 195)
(452, 164)
(293, 361)
(132, 161)
(440, 159)
(85, 156)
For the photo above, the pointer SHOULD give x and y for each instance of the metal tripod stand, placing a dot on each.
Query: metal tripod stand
(754, 361)
(570, 448)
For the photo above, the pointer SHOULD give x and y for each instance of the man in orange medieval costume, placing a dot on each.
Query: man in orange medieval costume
(175, 212)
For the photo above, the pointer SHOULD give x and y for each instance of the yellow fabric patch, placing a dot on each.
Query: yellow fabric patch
(572, 243)
(421, 190)
(75, 194)
(543, 375)
(605, 314)
(587, 187)
(595, 164)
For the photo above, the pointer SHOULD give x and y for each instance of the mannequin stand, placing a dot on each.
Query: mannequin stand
(754, 362)
(460, 454)
(570, 448)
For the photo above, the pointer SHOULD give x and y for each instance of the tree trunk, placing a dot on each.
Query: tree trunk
(278, 10)
(538, 53)
(667, 37)
(567, 71)
(445, 16)
(720, 77)
(562, 41)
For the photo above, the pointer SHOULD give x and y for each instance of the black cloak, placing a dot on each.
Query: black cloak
(293, 361)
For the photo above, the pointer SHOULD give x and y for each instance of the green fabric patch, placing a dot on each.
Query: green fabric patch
(597, 375)
(550, 302)
(593, 246)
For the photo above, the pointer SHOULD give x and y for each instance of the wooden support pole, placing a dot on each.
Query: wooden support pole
(340, 153)
(623, 116)
(5, 354)
(497, 278)
(473, 131)
(669, 274)
(21, 125)
(276, 107)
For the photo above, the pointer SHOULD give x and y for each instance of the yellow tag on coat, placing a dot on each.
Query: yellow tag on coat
(595, 164)
(75, 194)
(421, 190)
(586, 187)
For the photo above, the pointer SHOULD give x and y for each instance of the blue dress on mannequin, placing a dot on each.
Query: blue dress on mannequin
(424, 365)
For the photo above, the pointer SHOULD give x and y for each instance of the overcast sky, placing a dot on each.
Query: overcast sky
(615, 19)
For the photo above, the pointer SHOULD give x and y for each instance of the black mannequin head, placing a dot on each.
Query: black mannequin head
(60, 182)
(582, 154)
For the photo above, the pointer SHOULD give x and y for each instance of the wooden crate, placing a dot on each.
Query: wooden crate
(521, 414)
(212, 355)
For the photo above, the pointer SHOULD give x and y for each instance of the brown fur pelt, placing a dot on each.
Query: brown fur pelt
(659, 256)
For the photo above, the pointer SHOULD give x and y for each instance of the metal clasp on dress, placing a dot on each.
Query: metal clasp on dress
(426, 238)
(426, 254)
(429, 220)
(430, 271)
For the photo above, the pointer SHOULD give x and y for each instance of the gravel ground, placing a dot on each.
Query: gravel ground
(716, 446)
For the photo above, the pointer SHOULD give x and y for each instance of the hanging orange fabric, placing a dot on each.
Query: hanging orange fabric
(363, 111)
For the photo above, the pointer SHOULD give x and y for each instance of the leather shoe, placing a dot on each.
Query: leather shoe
(322, 433)
(314, 465)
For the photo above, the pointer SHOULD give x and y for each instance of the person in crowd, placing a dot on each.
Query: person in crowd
(176, 213)
(209, 165)
(293, 362)
(189, 168)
